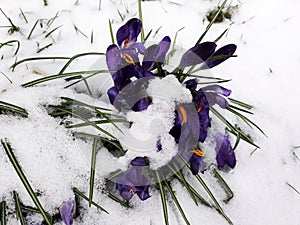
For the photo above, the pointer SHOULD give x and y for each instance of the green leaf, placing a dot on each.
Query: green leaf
(245, 105)
(163, 197)
(18, 208)
(211, 22)
(111, 32)
(35, 59)
(95, 122)
(24, 180)
(7, 107)
(78, 56)
(83, 119)
(80, 194)
(141, 19)
(53, 30)
(8, 43)
(93, 167)
(3, 213)
(209, 192)
(224, 185)
(176, 202)
(218, 38)
(31, 31)
(116, 199)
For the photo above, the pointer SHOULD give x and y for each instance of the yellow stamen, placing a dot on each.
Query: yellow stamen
(128, 59)
(132, 191)
(198, 152)
(183, 113)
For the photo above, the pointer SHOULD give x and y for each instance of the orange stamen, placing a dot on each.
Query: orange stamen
(128, 59)
(183, 113)
(198, 152)
(199, 110)
(132, 191)
(126, 42)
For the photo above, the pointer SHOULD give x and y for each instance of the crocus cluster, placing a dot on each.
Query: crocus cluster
(192, 120)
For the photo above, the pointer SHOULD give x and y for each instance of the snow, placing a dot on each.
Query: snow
(268, 40)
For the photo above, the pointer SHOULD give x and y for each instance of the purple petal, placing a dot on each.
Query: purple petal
(142, 105)
(198, 54)
(218, 89)
(164, 46)
(67, 210)
(227, 50)
(138, 161)
(150, 57)
(158, 145)
(113, 57)
(128, 32)
(225, 154)
(112, 94)
(197, 164)
(139, 46)
(191, 84)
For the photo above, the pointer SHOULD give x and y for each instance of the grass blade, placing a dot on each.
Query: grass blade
(35, 59)
(218, 38)
(8, 43)
(245, 105)
(92, 175)
(80, 194)
(58, 76)
(240, 109)
(29, 36)
(211, 22)
(208, 191)
(163, 197)
(24, 180)
(111, 32)
(141, 19)
(224, 185)
(7, 107)
(23, 15)
(78, 56)
(95, 122)
(83, 119)
(3, 212)
(116, 199)
(293, 188)
(18, 208)
(176, 202)
(49, 33)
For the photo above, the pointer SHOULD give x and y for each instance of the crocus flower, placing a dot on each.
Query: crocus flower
(225, 154)
(196, 162)
(205, 53)
(67, 210)
(133, 181)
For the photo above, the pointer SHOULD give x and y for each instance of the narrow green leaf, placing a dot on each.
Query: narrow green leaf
(148, 35)
(240, 109)
(218, 38)
(23, 15)
(293, 188)
(24, 180)
(211, 22)
(4, 106)
(111, 32)
(78, 56)
(113, 122)
(116, 199)
(114, 175)
(35, 59)
(8, 43)
(141, 19)
(70, 101)
(3, 213)
(32, 209)
(95, 122)
(163, 197)
(232, 129)
(245, 105)
(93, 167)
(208, 191)
(53, 30)
(58, 76)
(83, 119)
(181, 177)
(80, 194)
(176, 202)
(31, 31)
(18, 208)
(224, 185)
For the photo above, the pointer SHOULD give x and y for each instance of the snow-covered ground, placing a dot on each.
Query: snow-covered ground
(265, 74)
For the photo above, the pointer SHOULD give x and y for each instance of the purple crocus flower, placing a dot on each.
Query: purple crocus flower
(196, 162)
(205, 53)
(133, 181)
(67, 210)
(128, 33)
(124, 63)
(225, 154)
